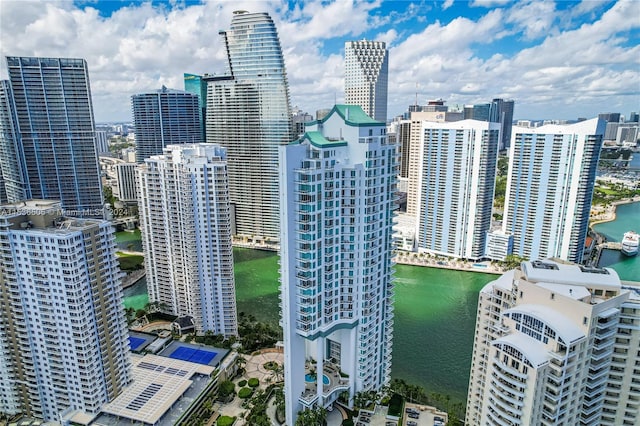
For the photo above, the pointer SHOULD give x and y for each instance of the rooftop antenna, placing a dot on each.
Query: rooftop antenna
(416, 94)
(335, 98)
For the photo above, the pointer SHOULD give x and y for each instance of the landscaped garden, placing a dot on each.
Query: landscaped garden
(130, 262)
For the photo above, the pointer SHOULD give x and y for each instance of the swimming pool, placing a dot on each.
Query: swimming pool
(312, 379)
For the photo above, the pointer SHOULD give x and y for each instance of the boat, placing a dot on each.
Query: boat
(630, 243)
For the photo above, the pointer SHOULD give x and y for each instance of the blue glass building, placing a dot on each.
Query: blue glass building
(47, 134)
(164, 117)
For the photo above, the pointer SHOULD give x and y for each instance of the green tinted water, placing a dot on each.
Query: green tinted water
(627, 219)
(435, 312)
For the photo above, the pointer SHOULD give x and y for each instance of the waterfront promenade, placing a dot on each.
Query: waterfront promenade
(603, 214)
(441, 262)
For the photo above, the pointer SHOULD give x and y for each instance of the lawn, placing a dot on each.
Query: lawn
(130, 262)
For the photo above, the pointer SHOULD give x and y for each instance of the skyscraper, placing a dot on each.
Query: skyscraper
(102, 145)
(248, 112)
(186, 234)
(196, 85)
(15, 180)
(127, 185)
(53, 151)
(452, 186)
(502, 112)
(63, 333)
(497, 111)
(555, 344)
(165, 117)
(338, 184)
(366, 76)
(552, 172)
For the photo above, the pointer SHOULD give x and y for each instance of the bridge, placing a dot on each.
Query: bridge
(126, 220)
(611, 245)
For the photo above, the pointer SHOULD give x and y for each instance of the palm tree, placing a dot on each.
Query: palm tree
(278, 372)
(241, 362)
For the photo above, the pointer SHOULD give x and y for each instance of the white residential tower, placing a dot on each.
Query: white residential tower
(186, 235)
(452, 186)
(63, 336)
(338, 184)
(556, 344)
(552, 171)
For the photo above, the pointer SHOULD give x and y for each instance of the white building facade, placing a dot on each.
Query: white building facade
(452, 186)
(552, 171)
(555, 344)
(337, 191)
(186, 235)
(63, 335)
(366, 77)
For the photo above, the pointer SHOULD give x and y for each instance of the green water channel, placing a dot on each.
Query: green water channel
(435, 313)
(627, 219)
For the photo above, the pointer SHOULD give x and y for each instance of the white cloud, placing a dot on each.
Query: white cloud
(447, 4)
(489, 3)
(534, 18)
(140, 47)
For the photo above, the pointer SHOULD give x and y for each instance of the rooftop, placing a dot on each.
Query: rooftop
(158, 383)
(554, 272)
(353, 115)
(317, 139)
(563, 326)
(532, 349)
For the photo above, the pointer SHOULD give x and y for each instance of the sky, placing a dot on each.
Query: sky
(557, 60)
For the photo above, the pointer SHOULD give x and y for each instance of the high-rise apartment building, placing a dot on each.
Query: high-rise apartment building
(127, 184)
(63, 333)
(338, 187)
(366, 76)
(452, 186)
(185, 222)
(47, 134)
(165, 117)
(13, 173)
(552, 171)
(555, 344)
(249, 113)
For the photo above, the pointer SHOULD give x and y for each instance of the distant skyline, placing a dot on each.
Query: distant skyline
(557, 60)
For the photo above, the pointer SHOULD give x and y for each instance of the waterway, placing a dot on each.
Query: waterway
(435, 312)
(627, 219)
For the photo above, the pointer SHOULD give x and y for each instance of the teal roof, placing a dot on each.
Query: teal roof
(353, 115)
(318, 140)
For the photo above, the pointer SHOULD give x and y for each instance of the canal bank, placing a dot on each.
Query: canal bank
(627, 218)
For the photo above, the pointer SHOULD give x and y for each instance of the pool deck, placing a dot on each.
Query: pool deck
(335, 383)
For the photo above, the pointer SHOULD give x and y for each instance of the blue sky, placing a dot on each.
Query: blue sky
(562, 59)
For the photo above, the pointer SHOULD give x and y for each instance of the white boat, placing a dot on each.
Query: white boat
(630, 243)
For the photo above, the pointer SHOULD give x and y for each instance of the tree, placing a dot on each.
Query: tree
(312, 417)
(513, 261)
(226, 388)
(278, 372)
(279, 402)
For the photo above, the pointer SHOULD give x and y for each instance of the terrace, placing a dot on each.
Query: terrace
(332, 382)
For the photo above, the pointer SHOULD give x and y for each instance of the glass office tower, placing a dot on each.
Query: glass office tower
(249, 113)
(49, 104)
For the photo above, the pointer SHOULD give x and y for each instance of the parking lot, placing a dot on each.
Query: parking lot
(421, 415)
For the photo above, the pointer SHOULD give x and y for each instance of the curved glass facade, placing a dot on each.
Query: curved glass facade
(249, 113)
